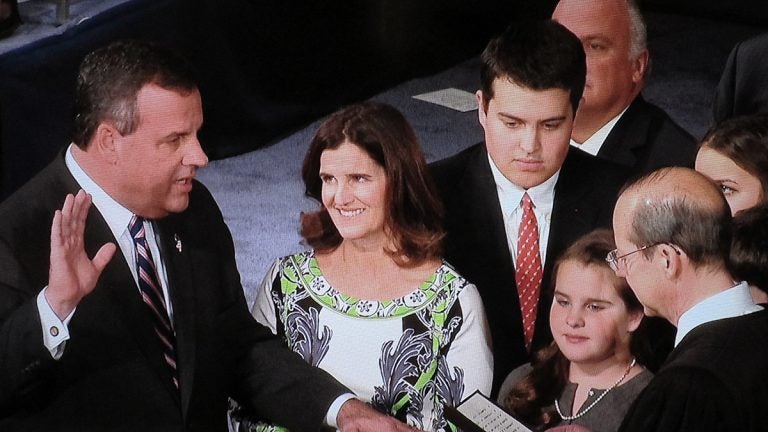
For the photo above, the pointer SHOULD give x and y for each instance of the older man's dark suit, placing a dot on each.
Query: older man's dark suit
(476, 243)
(111, 376)
(645, 138)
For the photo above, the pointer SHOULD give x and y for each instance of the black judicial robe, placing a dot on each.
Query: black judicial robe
(716, 379)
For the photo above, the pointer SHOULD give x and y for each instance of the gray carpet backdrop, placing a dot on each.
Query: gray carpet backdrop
(261, 193)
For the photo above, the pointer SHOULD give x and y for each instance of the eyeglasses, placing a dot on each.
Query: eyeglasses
(613, 256)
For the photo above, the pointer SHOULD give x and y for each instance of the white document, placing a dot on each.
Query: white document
(452, 98)
(487, 416)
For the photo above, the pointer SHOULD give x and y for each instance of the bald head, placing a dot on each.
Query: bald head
(614, 16)
(677, 206)
(675, 183)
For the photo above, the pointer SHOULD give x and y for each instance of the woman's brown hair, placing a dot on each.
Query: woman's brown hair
(415, 213)
(744, 140)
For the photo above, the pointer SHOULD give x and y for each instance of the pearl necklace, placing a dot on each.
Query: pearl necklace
(599, 398)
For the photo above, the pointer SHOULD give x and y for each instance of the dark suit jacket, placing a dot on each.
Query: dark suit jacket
(111, 376)
(646, 138)
(476, 243)
(743, 87)
(715, 380)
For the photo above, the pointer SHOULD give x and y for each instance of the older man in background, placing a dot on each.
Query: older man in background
(614, 122)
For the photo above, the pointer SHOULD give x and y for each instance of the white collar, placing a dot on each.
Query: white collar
(116, 216)
(733, 302)
(593, 144)
(510, 194)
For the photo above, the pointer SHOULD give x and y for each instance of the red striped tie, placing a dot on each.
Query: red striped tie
(152, 294)
(528, 268)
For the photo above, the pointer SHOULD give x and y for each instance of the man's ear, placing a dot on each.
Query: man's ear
(482, 113)
(104, 142)
(639, 67)
(671, 258)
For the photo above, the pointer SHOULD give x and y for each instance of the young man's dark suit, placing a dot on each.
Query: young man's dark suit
(111, 375)
(715, 380)
(476, 243)
(645, 138)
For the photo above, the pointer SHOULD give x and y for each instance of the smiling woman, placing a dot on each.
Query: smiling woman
(374, 304)
(590, 374)
(354, 193)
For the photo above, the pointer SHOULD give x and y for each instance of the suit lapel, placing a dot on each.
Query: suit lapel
(116, 282)
(628, 137)
(179, 270)
(486, 214)
(490, 250)
(573, 214)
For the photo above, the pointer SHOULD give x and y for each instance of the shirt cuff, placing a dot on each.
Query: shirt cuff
(333, 410)
(55, 331)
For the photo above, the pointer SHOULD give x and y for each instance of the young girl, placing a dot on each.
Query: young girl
(590, 374)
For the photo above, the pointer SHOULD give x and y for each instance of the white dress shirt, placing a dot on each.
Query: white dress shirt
(117, 217)
(594, 143)
(510, 195)
(733, 302)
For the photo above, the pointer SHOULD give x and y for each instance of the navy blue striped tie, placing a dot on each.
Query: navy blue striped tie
(152, 294)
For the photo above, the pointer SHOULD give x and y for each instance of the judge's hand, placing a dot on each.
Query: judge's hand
(355, 416)
(72, 274)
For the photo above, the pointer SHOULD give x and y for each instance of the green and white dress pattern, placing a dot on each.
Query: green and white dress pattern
(406, 357)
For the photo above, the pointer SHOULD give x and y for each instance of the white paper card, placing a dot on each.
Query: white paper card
(452, 98)
(488, 416)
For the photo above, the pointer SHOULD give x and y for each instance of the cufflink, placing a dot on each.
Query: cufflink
(54, 331)
(178, 242)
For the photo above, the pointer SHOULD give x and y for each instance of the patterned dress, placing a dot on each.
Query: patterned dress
(406, 357)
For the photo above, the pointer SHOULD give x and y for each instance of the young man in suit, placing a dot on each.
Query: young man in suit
(673, 236)
(153, 333)
(614, 122)
(524, 176)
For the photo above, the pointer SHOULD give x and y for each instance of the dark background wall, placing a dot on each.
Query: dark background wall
(754, 12)
(266, 67)
(275, 64)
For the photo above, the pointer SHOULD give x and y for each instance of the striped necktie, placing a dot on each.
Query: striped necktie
(528, 273)
(152, 295)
